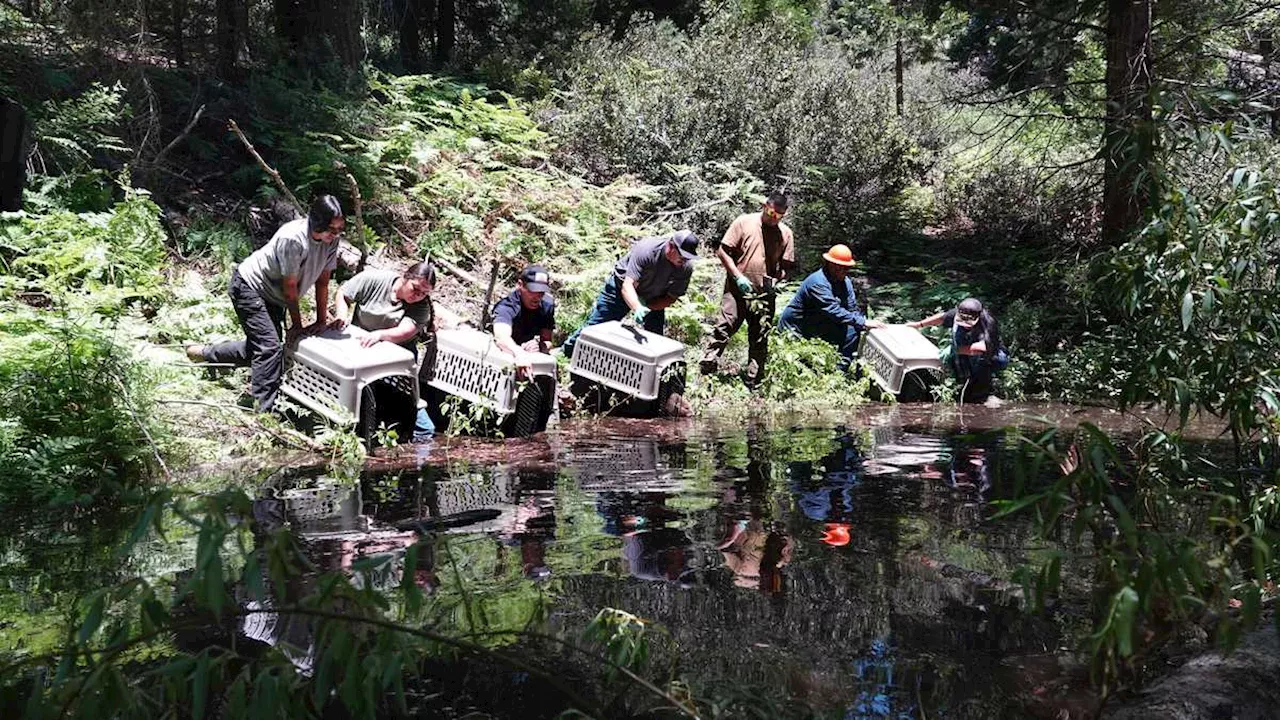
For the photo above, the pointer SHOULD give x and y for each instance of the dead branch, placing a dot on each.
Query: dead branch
(181, 136)
(358, 209)
(275, 175)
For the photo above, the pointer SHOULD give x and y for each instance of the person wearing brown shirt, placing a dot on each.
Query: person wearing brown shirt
(757, 252)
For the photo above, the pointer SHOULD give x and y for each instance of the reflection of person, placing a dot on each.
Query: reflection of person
(825, 307)
(756, 556)
(757, 251)
(524, 320)
(657, 554)
(976, 352)
(394, 308)
(269, 283)
(644, 283)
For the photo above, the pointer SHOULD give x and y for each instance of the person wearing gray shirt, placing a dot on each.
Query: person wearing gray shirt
(269, 283)
(646, 281)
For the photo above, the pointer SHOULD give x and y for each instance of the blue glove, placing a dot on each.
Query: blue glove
(743, 284)
(639, 314)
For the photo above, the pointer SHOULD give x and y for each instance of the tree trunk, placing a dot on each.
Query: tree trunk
(1128, 139)
(13, 156)
(411, 37)
(289, 22)
(446, 34)
(229, 36)
(1267, 49)
(178, 17)
(898, 84)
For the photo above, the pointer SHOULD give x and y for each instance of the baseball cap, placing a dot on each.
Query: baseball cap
(687, 242)
(968, 312)
(535, 278)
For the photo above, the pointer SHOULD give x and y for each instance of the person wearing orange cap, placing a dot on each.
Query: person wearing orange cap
(825, 307)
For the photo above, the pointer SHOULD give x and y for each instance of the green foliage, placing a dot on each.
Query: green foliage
(100, 260)
(792, 112)
(69, 133)
(75, 410)
(1167, 545)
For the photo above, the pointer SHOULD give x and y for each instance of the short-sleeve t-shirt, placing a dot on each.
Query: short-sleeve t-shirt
(759, 249)
(525, 324)
(654, 275)
(373, 292)
(291, 251)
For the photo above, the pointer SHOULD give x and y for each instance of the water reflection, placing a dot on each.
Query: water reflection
(850, 570)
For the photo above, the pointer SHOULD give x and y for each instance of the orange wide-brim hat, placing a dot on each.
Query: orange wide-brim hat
(839, 255)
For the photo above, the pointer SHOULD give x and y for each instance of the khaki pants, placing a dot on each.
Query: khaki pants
(758, 314)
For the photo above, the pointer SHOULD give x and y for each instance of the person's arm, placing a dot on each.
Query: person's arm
(663, 302)
(322, 303)
(341, 310)
(289, 286)
(398, 334)
(929, 321)
(502, 338)
(544, 341)
(629, 294)
(829, 304)
(788, 260)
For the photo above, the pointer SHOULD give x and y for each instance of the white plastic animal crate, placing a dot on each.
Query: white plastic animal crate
(625, 358)
(470, 365)
(896, 350)
(327, 372)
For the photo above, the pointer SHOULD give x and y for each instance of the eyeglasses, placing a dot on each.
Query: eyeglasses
(965, 317)
(773, 214)
(333, 230)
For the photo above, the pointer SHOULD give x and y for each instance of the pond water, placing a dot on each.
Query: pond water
(836, 571)
(808, 569)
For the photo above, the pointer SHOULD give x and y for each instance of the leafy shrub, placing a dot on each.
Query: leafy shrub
(104, 259)
(74, 409)
(792, 111)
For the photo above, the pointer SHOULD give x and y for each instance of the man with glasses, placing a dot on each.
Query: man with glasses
(976, 352)
(757, 251)
(267, 285)
(644, 283)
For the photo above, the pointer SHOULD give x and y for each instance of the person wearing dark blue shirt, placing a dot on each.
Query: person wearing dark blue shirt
(825, 307)
(526, 315)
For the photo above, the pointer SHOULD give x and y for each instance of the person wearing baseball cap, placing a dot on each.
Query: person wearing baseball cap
(976, 352)
(644, 283)
(825, 307)
(527, 315)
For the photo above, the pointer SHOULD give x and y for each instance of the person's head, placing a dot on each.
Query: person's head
(838, 260)
(533, 285)
(968, 313)
(775, 208)
(682, 247)
(325, 220)
(416, 282)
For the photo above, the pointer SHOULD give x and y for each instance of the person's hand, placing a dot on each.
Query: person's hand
(292, 335)
(914, 324)
(316, 327)
(874, 324)
(338, 323)
(639, 314)
(743, 284)
(371, 339)
(524, 367)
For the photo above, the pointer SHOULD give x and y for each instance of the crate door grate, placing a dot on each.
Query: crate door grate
(624, 371)
(472, 379)
(319, 387)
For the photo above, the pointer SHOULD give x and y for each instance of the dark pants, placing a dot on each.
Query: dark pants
(758, 314)
(610, 306)
(262, 349)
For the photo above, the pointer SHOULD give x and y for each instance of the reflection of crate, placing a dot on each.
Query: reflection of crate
(476, 492)
(471, 366)
(626, 359)
(329, 371)
(895, 351)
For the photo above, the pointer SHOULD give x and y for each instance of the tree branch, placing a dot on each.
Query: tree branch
(275, 175)
(357, 209)
(181, 136)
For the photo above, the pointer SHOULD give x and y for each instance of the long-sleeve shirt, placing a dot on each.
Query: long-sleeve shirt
(823, 309)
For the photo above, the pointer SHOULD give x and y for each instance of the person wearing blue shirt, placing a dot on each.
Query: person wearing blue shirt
(825, 307)
(524, 320)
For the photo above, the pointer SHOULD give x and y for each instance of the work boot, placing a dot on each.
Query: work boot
(195, 353)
